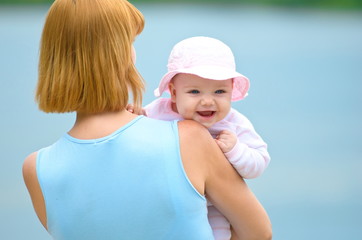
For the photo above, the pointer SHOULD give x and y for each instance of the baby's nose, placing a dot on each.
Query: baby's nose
(207, 100)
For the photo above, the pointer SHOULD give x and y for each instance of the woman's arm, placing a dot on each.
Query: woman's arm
(31, 182)
(211, 174)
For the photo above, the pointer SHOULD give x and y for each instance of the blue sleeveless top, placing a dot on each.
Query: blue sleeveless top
(129, 185)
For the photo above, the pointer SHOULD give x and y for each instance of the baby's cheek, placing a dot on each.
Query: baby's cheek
(186, 113)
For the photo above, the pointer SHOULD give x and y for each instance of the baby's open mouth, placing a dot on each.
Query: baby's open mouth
(206, 113)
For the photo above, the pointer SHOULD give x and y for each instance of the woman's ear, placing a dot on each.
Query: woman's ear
(172, 89)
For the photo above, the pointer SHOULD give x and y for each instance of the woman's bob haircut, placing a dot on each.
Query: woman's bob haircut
(85, 60)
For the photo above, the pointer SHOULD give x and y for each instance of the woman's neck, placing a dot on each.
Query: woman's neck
(98, 125)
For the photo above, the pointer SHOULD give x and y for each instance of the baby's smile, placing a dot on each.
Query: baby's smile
(206, 113)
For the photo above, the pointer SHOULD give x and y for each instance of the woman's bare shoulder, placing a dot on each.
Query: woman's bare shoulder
(32, 184)
(194, 131)
(212, 174)
(29, 166)
(194, 142)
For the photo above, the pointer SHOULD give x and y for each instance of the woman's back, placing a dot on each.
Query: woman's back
(130, 184)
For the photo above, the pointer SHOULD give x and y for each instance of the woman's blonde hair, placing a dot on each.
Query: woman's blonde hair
(85, 60)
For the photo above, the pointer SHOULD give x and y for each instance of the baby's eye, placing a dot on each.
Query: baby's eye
(219, 91)
(194, 91)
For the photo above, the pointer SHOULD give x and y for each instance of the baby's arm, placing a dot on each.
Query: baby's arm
(249, 154)
(249, 162)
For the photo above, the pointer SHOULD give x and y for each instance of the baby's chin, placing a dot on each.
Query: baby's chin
(203, 123)
(207, 125)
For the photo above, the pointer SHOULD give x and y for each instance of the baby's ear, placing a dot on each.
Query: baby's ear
(172, 89)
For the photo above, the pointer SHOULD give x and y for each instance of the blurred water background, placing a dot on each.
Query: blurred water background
(305, 67)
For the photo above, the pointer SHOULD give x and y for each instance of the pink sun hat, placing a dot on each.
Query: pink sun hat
(207, 58)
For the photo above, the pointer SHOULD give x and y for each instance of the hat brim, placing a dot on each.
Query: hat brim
(241, 83)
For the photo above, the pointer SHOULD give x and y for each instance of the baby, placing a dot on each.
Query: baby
(203, 82)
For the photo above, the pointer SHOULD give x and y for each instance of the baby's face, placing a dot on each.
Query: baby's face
(203, 100)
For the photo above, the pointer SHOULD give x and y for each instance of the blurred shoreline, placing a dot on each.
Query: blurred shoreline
(315, 4)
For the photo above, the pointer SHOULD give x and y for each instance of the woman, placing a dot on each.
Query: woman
(104, 179)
